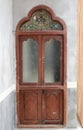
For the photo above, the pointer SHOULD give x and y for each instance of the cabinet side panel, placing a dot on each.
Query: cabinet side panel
(80, 62)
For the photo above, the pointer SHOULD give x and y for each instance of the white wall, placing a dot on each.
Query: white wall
(66, 9)
(7, 61)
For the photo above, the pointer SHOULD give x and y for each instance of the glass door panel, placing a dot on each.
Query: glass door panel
(52, 61)
(30, 61)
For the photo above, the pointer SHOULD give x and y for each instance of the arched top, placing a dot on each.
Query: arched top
(41, 18)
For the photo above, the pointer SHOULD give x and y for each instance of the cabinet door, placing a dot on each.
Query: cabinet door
(52, 59)
(30, 107)
(52, 107)
(29, 55)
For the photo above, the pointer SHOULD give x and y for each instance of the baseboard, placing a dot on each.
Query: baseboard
(6, 92)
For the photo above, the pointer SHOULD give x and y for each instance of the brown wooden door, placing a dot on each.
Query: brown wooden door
(52, 107)
(52, 54)
(41, 68)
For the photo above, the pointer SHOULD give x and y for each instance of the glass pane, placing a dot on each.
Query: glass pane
(52, 61)
(30, 61)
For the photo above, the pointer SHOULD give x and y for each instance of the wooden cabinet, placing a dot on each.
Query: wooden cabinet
(41, 69)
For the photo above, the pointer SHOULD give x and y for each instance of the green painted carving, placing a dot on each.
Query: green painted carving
(41, 20)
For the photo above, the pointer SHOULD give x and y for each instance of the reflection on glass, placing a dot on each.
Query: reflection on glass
(52, 61)
(30, 61)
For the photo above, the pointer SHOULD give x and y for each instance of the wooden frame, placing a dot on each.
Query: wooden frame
(22, 88)
(80, 61)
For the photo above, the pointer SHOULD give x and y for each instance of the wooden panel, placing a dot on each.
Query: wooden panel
(80, 62)
(31, 104)
(31, 107)
(52, 107)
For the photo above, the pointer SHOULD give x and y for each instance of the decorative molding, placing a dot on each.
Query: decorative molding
(6, 92)
(41, 20)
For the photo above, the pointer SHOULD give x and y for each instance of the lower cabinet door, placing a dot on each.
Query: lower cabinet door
(52, 107)
(30, 107)
(41, 107)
